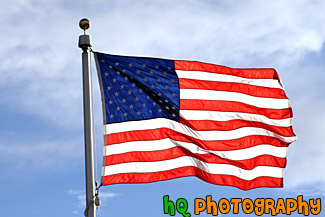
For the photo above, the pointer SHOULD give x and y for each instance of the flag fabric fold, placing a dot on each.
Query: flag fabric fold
(165, 119)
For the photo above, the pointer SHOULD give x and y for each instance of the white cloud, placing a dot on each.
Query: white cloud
(210, 31)
(28, 156)
(104, 195)
(80, 205)
(310, 192)
(306, 156)
(81, 199)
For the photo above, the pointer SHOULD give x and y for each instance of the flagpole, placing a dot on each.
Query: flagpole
(85, 45)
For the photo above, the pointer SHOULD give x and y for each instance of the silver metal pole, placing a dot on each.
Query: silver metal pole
(85, 45)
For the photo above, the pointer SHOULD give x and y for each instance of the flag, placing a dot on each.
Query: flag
(165, 119)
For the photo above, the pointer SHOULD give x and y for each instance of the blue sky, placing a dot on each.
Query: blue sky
(41, 127)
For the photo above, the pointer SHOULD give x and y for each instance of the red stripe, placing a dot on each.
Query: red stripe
(221, 145)
(245, 73)
(193, 171)
(232, 87)
(227, 106)
(172, 153)
(234, 124)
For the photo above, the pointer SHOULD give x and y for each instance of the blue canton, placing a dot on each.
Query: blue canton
(137, 88)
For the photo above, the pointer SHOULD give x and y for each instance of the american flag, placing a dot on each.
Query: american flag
(165, 119)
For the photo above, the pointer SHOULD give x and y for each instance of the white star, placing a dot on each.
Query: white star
(130, 65)
(159, 110)
(173, 94)
(152, 86)
(165, 73)
(103, 61)
(114, 80)
(123, 100)
(138, 71)
(106, 74)
(151, 72)
(169, 68)
(148, 97)
(133, 84)
(125, 114)
(118, 72)
(126, 78)
(159, 80)
(166, 100)
(144, 66)
(116, 63)
(172, 80)
(110, 102)
(111, 116)
(122, 86)
(110, 67)
(124, 70)
(145, 79)
(156, 67)
(109, 88)
(144, 105)
(167, 107)
(129, 92)
(166, 87)
(131, 106)
(159, 94)
(173, 115)
(150, 111)
(116, 94)
(118, 108)
(140, 90)
(173, 108)
(138, 112)
(137, 99)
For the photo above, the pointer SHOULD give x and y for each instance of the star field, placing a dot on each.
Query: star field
(137, 88)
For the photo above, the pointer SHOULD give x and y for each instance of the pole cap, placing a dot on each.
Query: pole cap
(84, 24)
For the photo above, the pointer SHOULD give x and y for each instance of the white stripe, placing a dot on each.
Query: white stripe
(181, 128)
(228, 116)
(212, 168)
(261, 102)
(209, 76)
(164, 144)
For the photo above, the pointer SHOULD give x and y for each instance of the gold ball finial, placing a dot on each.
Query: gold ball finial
(84, 24)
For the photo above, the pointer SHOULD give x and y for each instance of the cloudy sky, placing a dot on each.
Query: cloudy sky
(41, 127)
